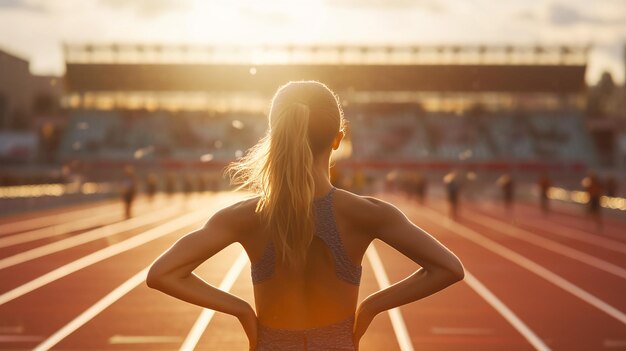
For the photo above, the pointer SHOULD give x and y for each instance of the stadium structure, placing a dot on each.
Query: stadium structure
(489, 108)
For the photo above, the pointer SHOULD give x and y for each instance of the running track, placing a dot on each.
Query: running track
(533, 282)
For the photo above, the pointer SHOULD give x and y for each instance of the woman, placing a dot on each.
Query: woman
(305, 238)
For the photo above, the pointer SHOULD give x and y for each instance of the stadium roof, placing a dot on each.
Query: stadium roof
(117, 68)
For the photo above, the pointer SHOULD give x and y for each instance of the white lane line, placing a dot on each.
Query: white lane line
(93, 310)
(521, 234)
(59, 229)
(12, 329)
(580, 235)
(397, 322)
(525, 263)
(32, 223)
(461, 331)
(85, 222)
(144, 339)
(505, 312)
(609, 343)
(20, 338)
(96, 309)
(135, 241)
(88, 236)
(206, 315)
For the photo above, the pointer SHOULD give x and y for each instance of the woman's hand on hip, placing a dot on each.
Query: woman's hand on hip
(362, 320)
(249, 322)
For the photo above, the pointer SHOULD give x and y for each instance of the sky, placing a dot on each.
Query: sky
(36, 29)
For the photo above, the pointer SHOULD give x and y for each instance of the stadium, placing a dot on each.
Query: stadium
(483, 108)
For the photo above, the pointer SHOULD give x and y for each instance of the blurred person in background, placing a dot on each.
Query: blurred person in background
(451, 181)
(129, 189)
(592, 186)
(507, 186)
(544, 185)
(304, 237)
(151, 186)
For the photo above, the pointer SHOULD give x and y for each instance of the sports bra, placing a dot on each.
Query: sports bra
(327, 230)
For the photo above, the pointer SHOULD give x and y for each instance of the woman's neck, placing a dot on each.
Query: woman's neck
(321, 178)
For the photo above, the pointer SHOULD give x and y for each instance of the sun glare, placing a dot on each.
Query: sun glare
(252, 22)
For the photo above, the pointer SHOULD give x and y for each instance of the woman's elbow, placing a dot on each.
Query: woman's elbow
(451, 272)
(458, 275)
(154, 280)
(456, 271)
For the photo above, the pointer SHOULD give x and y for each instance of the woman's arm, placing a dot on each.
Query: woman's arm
(439, 266)
(172, 273)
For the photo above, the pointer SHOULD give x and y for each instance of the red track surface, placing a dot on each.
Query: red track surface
(543, 292)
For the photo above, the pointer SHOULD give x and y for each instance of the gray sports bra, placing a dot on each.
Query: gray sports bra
(325, 229)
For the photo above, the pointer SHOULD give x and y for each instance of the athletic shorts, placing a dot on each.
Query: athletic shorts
(336, 336)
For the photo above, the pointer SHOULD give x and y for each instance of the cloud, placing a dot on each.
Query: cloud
(147, 8)
(12, 3)
(563, 15)
(21, 5)
(560, 14)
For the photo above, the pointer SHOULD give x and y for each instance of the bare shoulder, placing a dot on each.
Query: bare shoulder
(237, 218)
(366, 211)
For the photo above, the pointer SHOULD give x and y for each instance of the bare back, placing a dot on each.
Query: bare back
(316, 294)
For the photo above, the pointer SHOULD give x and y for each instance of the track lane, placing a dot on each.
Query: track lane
(17, 275)
(609, 287)
(553, 314)
(550, 311)
(580, 220)
(454, 319)
(609, 249)
(61, 300)
(68, 297)
(63, 227)
(531, 266)
(91, 235)
(129, 323)
(41, 218)
(21, 242)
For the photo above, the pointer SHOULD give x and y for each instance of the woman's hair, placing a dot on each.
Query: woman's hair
(304, 119)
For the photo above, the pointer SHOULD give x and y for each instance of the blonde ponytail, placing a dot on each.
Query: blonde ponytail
(280, 167)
